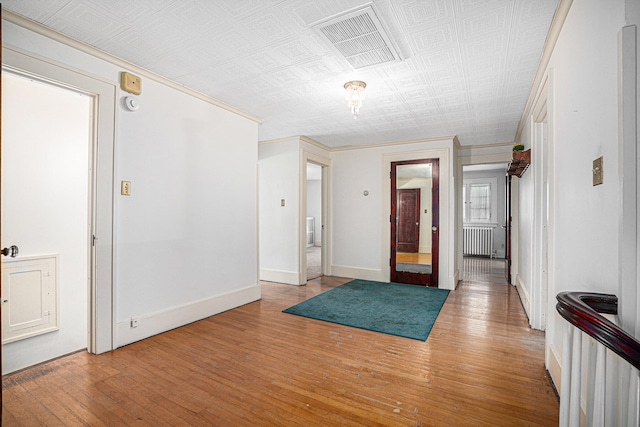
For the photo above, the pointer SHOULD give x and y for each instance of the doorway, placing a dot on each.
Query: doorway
(314, 203)
(314, 221)
(415, 222)
(98, 201)
(46, 211)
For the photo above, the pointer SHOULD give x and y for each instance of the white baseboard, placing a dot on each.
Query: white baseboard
(524, 296)
(357, 273)
(279, 276)
(162, 321)
(554, 367)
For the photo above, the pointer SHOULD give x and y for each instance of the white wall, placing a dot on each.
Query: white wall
(192, 209)
(279, 225)
(583, 119)
(361, 231)
(193, 206)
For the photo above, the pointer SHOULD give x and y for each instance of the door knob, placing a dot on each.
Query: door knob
(434, 228)
(11, 251)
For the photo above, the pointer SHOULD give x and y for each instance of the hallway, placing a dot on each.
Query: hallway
(254, 365)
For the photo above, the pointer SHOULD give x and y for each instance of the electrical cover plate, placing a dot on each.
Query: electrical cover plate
(131, 83)
(597, 171)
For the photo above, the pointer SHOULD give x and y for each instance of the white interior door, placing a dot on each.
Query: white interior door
(46, 150)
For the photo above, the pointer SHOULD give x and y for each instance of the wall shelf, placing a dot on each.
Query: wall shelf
(520, 163)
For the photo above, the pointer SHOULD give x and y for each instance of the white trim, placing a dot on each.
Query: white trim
(391, 144)
(102, 289)
(554, 366)
(543, 196)
(90, 50)
(628, 182)
(358, 273)
(446, 259)
(325, 162)
(552, 38)
(483, 159)
(280, 276)
(524, 296)
(165, 320)
(380, 145)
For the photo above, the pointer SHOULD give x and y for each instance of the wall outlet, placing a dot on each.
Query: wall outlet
(134, 322)
(125, 188)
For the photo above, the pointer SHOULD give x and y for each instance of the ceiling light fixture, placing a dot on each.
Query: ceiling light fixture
(355, 95)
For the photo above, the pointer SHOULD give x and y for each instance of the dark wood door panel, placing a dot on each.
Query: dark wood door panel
(408, 220)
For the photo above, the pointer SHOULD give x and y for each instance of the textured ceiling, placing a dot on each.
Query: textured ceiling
(467, 68)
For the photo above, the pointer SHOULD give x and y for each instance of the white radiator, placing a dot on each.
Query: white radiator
(478, 240)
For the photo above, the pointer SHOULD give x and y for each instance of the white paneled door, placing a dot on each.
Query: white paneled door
(47, 131)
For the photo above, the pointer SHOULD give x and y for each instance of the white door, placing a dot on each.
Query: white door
(46, 149)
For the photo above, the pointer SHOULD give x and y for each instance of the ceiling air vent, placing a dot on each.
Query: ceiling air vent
(359, 37)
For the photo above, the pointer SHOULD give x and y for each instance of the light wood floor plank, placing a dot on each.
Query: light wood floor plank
(481, 366)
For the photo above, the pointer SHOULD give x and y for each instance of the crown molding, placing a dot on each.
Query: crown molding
(315, 143)
(390, 144)
(359, 147)
(482, 146)
(552, 38)
(456, 143)
(37, 28)
(277, 140)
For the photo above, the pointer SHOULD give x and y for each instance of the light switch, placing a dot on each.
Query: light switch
(125, 188)
(597, 171)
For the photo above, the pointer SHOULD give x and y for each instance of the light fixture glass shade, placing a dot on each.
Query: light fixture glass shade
(355, 95)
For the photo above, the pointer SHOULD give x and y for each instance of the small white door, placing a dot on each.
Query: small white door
(30, 297)
(46, 148)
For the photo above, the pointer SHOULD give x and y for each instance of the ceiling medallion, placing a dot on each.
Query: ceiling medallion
(355, 95)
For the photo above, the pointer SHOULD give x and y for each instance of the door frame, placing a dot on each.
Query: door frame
(448, 248)
(325, 249)
(416, 278)
(542, 294)
(101, 290)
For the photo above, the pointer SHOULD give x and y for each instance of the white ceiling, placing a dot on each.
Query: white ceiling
(468, 64)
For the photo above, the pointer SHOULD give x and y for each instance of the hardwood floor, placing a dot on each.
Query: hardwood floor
(255, 365)
(413, 258)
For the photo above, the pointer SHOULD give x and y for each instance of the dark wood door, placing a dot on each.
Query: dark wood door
(508, 226)
(408, 205)
(419, 278)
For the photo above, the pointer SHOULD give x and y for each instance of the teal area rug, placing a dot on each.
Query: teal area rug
(391, 308)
